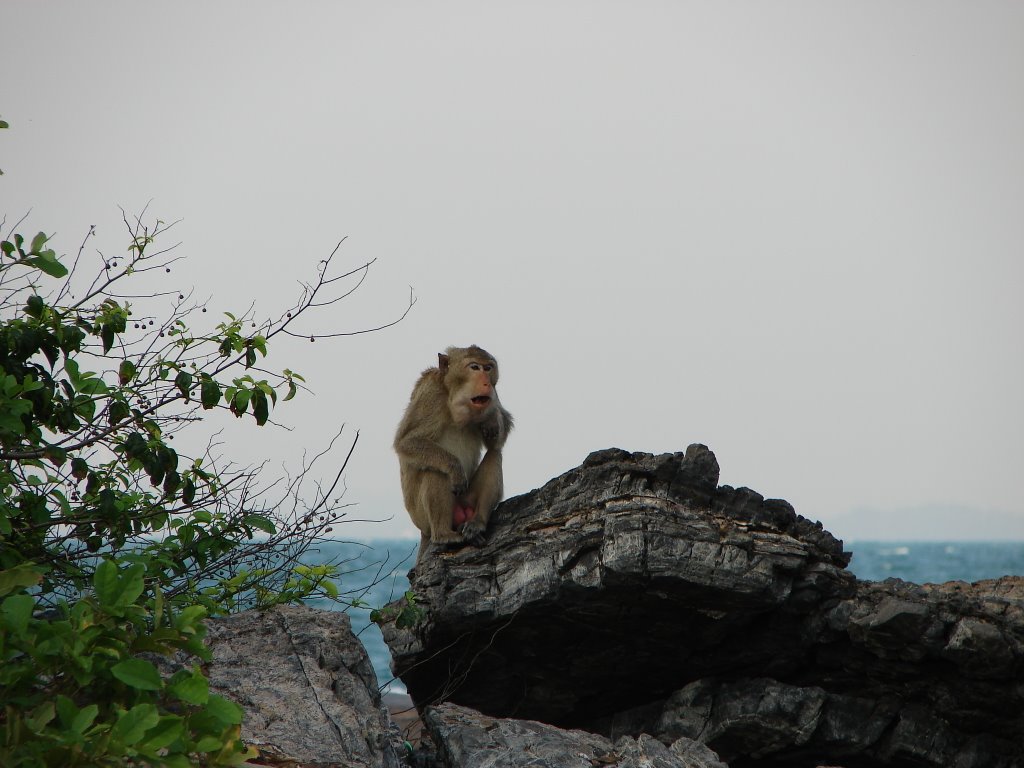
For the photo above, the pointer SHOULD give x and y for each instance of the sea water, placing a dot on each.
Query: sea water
(936, 562)
(376, 572)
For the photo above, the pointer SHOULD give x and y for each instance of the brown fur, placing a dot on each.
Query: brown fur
(449, 490)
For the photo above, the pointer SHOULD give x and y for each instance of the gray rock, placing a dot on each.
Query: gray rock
(306, 684)
(635, 565)
(468, 739)
(633, 595)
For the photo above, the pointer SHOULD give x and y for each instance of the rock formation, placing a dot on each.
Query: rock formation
(677, 622)
(306, 684)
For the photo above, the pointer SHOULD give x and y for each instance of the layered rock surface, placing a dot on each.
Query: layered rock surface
(307, 686)
(634, 597)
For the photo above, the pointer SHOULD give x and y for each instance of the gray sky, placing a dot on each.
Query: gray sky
(791, 231)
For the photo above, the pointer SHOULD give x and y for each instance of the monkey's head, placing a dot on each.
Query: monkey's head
(469, 375)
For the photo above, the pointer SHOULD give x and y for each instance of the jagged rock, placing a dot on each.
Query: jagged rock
(468, 739)
(615, 584)
(633, 595)
(306, 684)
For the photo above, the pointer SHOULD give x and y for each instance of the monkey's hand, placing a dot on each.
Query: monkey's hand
(458, 479)
(490, 431)
(495, 429)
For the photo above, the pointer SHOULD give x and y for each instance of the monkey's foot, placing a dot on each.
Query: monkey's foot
(446, 538)
(473, 532)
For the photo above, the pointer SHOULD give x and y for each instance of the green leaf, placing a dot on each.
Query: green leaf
(39, 241)
(171, 483)
(138, 673)
(21, 575)
(167, 731)
(47, 262)
(107, 335)
(34, 306)
(105, 582)
(224, 710)
(126, 371)
(119, 411)
(71, 369)
(260, 407)
(209, 744)
(72, 717)
(183, 381)
(240, 402)
(16, 611)
(84, 718)
(192, 688)
(258, 521)
(56, 455)
(40, 716)
(190, 617)
(135, 445)
(79, 468)
(66, 710)
(89, 385)
(132, 725)
(116, 589)
(210, 393)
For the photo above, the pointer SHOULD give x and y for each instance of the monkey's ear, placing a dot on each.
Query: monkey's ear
(442, 362)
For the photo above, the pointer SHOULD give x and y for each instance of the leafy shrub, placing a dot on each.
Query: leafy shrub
(114, 547)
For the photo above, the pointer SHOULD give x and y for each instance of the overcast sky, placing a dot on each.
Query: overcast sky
(790, 231)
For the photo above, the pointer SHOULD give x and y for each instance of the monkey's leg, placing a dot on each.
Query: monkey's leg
(435, 503)
(485, 491)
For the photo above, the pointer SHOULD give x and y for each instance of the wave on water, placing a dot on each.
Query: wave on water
(930, 562)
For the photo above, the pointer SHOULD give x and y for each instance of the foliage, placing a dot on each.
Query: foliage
(115, 546)
(406, 613)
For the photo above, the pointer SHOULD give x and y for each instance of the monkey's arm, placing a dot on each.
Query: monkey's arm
(485, 491)
(427, 455)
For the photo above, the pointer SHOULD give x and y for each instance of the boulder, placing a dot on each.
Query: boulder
(634, 597)
(468, 738)
(309, 692)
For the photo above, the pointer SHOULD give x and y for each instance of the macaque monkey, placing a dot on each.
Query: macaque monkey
(453, 414)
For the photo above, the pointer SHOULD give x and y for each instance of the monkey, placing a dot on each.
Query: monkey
(453, 414)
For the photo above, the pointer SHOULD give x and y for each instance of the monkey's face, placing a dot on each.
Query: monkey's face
(471, 393)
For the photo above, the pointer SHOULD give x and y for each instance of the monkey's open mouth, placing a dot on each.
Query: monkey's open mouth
(480, 400)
